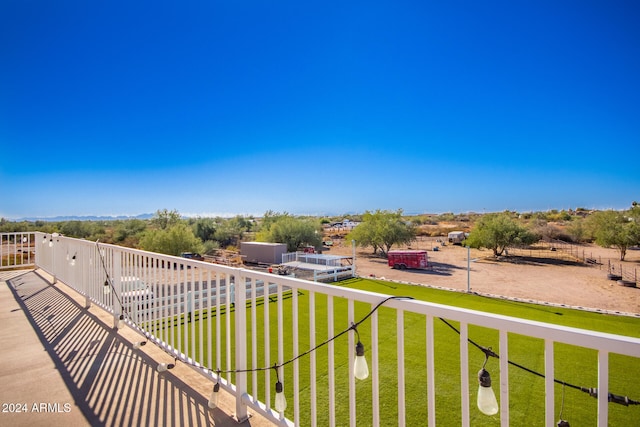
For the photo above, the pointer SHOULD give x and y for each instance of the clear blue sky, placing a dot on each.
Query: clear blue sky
(213, 107)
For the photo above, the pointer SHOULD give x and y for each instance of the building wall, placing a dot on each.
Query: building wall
(263, 252)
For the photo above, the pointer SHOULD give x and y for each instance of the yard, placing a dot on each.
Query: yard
(574, 365)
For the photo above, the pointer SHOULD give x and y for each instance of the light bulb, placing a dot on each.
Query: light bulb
(487, 402)
(215, 395)
(121, 322)
(563, 423)
(106, 288)
(73, 261)
(162, 367)
(51, 242)
(360, 367)
(281, 401)
(138, 344)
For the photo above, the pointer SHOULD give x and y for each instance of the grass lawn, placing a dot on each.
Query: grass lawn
(573, 365)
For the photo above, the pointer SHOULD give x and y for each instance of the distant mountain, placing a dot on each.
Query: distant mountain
(85, 218)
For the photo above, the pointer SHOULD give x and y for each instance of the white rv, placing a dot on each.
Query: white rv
(456, 237)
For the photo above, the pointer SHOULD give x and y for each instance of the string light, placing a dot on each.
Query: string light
(593, 392)
(487, 402)
(281, 400)
(360, 367)
(215, 394)
(164, 367)
(561, 422)
(138, 344)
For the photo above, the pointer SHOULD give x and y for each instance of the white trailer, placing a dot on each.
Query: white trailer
(456, 237)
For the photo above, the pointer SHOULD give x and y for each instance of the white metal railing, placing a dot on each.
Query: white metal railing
(17, 250)
(272, 321)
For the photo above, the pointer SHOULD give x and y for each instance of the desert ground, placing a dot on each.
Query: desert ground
(556, 276)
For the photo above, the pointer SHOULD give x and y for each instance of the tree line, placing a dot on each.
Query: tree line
(169, 233)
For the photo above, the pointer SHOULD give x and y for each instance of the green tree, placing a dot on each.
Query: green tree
(164, 218)
(127, 232)
(171, 241)
(204, 228)
(381, 230)
(498, 232)
(229, 232)
(295, 232)
(615, 228)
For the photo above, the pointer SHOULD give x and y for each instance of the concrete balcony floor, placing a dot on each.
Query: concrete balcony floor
(65, 365)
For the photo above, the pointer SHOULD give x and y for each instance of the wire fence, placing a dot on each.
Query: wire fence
(625, 274)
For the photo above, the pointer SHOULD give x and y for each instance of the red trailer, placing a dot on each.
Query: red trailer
(408, 259)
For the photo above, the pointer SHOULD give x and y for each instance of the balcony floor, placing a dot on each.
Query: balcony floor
(63, 365)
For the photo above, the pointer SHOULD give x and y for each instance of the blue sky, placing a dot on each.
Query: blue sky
(225, 107)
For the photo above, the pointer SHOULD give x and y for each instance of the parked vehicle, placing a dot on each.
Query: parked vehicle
(192, 255)
(408, 259)
(457, 237)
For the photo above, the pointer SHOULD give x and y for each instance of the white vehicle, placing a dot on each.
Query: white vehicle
(136, 295)
(456, 237)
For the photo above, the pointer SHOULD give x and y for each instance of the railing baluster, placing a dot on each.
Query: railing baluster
(504, 378)
(267, 353)
(280, 318)
(549, 372)
(603, 388)
(331, 362)
(375, 370)
(351, 355)
(254, 334)
(230, 289)
(464, 373)
(241, 346)
(431, 381)
(312, 359)
(400, 357)
(296, 352)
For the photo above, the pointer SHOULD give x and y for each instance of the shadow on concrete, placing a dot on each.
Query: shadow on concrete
(111, 383)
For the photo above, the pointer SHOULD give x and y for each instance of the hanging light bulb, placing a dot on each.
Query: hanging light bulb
(487, 402)
(163, 367)
(138, 344)
(563, 423)
(73, 260)
(214, 396)
(281, 401)
(360, 367)
(44, 239)
(121, 322)
(107, 287)
(51, 242)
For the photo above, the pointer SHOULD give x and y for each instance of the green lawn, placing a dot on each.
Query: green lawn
(572, 364)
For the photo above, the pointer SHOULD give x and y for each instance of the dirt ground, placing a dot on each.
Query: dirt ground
(543, 275)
